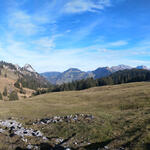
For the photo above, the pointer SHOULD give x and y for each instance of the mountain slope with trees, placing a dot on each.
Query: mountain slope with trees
(119, 77)
(19, 81)
(74, 74)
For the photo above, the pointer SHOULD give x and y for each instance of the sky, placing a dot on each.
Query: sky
(54, 35)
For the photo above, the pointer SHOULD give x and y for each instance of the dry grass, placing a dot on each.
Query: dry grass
(108, 99)
(122, 114)
(8, 82)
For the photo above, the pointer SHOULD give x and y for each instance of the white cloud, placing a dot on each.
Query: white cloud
(23, 24)
(77, 6)
(44, 42)
(86, 58)
(68, 31)
(84, 31)
(118, 43)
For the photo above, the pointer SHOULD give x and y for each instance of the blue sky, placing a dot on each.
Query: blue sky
(54, 35)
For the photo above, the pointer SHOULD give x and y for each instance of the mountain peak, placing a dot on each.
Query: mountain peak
(72, 70)
(28, 67)
(17, 66)
(120, 67)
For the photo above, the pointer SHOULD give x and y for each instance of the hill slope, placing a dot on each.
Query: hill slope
(121, 116)
(69, 75)
(51, 76)
(26, 78)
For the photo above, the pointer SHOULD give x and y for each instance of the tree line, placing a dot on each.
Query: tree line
(125, 76)
(31, 82)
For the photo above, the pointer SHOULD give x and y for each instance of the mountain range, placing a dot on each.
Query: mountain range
(27, 77)
(73, 74)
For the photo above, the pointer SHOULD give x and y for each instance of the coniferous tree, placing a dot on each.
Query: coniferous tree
(125, 76)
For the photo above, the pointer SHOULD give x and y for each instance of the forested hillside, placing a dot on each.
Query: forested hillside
(19, 82)
(119, 77)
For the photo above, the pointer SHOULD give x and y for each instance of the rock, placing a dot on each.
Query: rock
(24, 140)
(45, 138)
(68, 118)
(2, 131)
(67, 149)
(105, 147)
(29, 146)
(16, 128)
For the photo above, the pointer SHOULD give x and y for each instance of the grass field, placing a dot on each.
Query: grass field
(121, 116)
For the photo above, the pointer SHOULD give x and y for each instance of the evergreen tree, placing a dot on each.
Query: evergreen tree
(125, 76)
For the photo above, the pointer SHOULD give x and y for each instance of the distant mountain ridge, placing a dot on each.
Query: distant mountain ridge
(74, 74)
(51, 76)
(29, 78)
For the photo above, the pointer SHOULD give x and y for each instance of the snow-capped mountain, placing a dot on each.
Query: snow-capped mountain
(28, 67)
(120, 67)
(73, 74)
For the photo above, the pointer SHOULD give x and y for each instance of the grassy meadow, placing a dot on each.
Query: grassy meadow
(121, 116)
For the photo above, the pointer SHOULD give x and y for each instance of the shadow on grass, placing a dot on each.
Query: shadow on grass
(95, 146)
(147, 146)
(44, 146)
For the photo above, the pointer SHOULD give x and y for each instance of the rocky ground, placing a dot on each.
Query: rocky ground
(68, 118)
(34, 135)
(22, 136)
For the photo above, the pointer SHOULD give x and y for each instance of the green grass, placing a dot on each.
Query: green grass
(122, 115)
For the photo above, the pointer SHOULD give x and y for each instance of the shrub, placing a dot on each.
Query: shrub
(1, 97)
(5, 75)
(5, 91)
(13, 96)
(17, 85)
(22, 91)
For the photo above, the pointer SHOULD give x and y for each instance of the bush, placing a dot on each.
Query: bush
(5, 75)
(13, 96)
(5, 91)
(22, 91)
(1, 97)
(17, 85)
